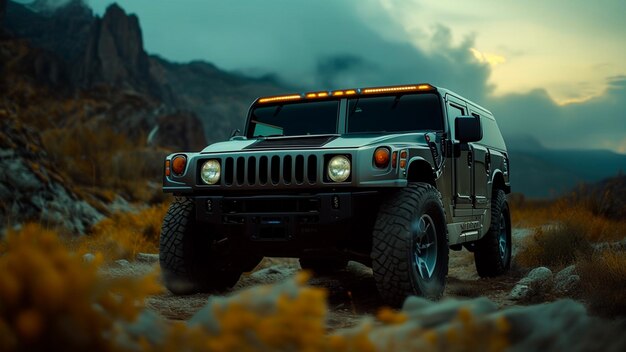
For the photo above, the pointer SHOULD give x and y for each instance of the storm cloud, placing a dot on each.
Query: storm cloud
(341, 44)
(598, 123)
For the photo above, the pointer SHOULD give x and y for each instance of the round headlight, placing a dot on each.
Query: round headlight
(210, 172)
(339, 168)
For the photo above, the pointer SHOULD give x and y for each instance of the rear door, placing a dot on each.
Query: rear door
(482, 161)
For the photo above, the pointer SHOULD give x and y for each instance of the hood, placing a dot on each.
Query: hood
(315, 142)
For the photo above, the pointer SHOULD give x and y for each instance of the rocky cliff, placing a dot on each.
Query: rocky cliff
(114, 54)
(108, 52)
(31, 189)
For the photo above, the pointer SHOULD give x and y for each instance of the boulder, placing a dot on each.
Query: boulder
(567, 281)
(538, 281)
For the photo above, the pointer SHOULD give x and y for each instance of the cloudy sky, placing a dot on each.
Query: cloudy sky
(552, 69)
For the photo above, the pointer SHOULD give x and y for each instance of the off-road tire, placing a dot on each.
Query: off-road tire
(323, 265)
(487, 252)
(186, 255)
(394, 244)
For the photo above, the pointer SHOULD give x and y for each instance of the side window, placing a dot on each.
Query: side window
(453, 112)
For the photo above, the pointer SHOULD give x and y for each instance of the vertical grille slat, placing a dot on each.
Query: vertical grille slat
(262, 176)
(268, 170)
(287, 169)
(252, 171)
(240, 170)
(311, 169)
(299, 176)
(275, 170)
(228, 171)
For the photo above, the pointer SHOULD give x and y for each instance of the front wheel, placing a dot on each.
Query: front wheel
(188, 260)
(410, 246)
(492, 253)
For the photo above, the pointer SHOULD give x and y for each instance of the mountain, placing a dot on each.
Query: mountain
(537, 171)
(109, 52)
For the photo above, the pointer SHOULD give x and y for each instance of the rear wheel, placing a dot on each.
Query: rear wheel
(410, 246)
(492, 253)
(188, 259)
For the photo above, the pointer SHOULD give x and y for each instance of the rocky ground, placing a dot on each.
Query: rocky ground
(520, 312)
(352, 292)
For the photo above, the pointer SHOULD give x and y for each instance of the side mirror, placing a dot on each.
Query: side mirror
(467, 129)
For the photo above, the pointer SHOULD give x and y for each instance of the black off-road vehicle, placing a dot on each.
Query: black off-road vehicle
(392, 177)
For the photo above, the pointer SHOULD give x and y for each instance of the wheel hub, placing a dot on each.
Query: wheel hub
(502, 238)
(424, 246)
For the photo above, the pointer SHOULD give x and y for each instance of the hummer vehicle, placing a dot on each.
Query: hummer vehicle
(392, 177)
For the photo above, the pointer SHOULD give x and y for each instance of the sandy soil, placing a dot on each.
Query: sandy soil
(351, 292)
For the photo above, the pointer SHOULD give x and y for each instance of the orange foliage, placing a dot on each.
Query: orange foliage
(50, 297)
(596, 228)
(123, 235)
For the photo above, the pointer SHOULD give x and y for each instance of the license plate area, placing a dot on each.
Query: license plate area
(271, 228)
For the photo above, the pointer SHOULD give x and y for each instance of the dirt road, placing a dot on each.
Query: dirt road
(351, 292)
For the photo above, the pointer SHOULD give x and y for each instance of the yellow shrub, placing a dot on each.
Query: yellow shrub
(50, 298)
(123, 235)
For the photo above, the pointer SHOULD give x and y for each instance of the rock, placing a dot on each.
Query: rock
(31, 189)
(519, 292)
(115, 55)
(430, 314)
(564, 273)
(567, 281)
(147, 257)
(538, 275)
(614, 246)
(122, 263)
(179, 131)
(567, 285)
(88, 257)
(537, 281)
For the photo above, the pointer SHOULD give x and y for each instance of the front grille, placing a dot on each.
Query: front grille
(270, 170)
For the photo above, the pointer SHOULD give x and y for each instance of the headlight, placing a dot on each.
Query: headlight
(210, 172)
(339, 168)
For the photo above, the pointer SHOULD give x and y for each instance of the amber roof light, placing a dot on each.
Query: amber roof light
(343, 92)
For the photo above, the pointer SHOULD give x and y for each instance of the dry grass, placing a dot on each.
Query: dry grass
(123, 235)
(565, 232)
(603, 277)
(105, 159)
(556, 246)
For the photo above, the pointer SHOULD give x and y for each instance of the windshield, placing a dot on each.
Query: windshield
(396, 113)
(409, 112)
(294, 119)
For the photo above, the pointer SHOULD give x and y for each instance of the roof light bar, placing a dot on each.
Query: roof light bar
(340, 93)
(317, 95)
(280, 98)
(396, 89)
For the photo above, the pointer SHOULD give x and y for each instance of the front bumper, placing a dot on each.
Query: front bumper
(288, 225)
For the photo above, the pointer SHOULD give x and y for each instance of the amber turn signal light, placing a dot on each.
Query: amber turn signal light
(381, 157)
(167, 167)
(178, 164)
